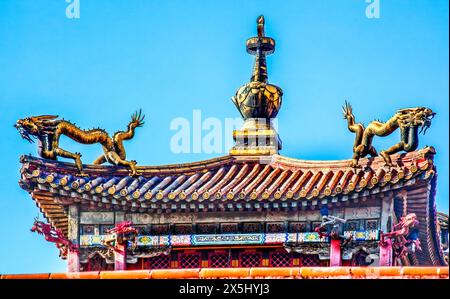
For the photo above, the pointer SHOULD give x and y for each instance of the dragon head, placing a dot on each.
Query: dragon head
(423, 118)
(37, 226)
(416, 117)
(410, 220)
(33, 126)
(125, 231)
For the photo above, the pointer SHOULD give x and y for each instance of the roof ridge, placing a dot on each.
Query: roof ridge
(277, 161)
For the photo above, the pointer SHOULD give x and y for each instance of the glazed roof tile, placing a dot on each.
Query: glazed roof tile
(226, 178)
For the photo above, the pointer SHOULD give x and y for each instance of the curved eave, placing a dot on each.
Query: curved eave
(230, 177)
(425, 207)
(238, 180)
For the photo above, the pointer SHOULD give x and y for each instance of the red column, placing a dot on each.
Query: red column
(73, 261)
(335, 253)
(386, 253)
(120, 257)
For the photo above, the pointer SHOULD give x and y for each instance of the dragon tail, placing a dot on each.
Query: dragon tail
(352, 126)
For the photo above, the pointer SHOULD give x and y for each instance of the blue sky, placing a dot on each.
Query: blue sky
(171, 57)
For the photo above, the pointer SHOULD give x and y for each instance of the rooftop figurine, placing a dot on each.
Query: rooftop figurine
(47, 129)
(409, 121)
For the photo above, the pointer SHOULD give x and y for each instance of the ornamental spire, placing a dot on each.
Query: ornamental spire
(260, 47)
(258, 101)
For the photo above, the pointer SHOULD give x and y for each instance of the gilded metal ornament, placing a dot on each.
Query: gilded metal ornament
(409, 120)
(259, 99)
(47, 129)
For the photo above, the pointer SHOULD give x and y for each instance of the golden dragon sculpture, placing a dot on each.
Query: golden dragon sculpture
(48, 129)
(409, 121)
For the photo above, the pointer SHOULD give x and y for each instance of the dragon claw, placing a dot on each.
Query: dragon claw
(133, 173)
(387, 159)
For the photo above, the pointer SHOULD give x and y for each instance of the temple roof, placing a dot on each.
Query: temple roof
(226, 179)
(239, 182)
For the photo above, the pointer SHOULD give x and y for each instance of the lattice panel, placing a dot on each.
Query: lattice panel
(352, 225)
(280, 259)
(160, 229)
(190, 261)
(298, 227)
(371, 224)
(310, 260)
(88, 229)
(160, 262)
(250, 259)
(183, 229)
(251, 227)
(143, 229)
(206, 228)
(219, 260)
(229, 228)
(275, 227)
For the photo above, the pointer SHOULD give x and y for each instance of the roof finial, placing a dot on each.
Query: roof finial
(260, 27)
(260, 46)
(258, 101)
(258, 98)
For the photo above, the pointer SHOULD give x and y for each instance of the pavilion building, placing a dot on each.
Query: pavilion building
(251, 208)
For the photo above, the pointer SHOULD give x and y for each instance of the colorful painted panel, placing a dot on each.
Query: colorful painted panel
(310, 237)
(180, 240)
(148, 240)
(165, 240)
(363, 235)
(275, 238)
(228, 239)
(91, 240)
(291, 238)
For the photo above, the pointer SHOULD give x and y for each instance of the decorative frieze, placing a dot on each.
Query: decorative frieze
(362, 213)
(227, 239)
(233, 239)
(96, 217)
(363, 235)
(220, 217)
